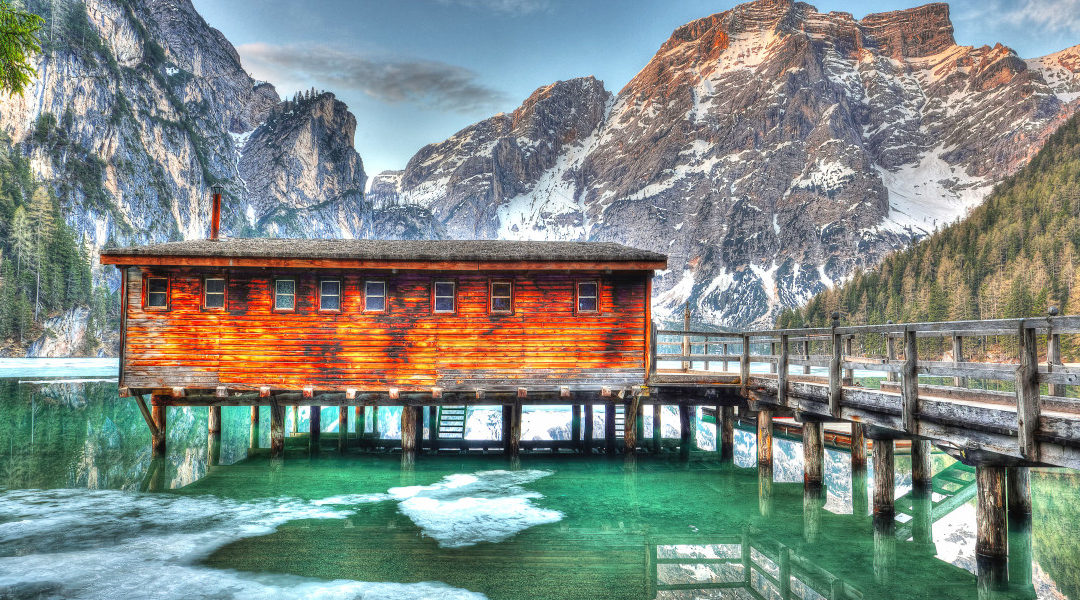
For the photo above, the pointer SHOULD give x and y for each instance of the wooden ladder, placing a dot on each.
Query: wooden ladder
(452, 422)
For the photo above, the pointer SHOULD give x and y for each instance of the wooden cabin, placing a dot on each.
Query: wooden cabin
(366, 315)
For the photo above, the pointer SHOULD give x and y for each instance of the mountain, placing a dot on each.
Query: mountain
(771, 150)
(1014, 256)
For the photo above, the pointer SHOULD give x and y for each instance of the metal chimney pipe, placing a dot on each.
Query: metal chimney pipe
(215, 213)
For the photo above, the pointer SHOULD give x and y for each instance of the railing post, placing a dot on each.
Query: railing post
(782, 371)
(1053, 353)
(744, 365)
(806, 352)
(725, 349)
(849, 374)
(705, 350)
(909, 385)
(890, 353)
(834, 369)
(686, 338)
(1027, 394)
(958, 357)
(772, 357)
(652, 350)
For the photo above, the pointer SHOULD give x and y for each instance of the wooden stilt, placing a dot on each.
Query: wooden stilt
(361, 420)
(718, 429)
(213, 419)
(315, 432)
(418, 430)
(685, 430)
(343, 428)
(575, 424)
(921, 470)
(254, 433)
(408, 431)
(813, 456)
(507, 419)
(375, 422)
(639, 419)
(630, 424)
(884, 478)
(277, 430)
(727, 433)
(157, 412)
(609, 428)
(991, 539)
(587, 442)
(858, 448)
(295, 418)
(1019, 493)
(213, 442)
(657, 427)
(764, 437)
(515, 429)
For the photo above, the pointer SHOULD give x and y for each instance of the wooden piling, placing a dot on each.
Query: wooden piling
(575, 424)
(213, 441)
(408, 431)
(1019, 493)
(922, 473)
(507, 417)
(609, 428)
(343, 428)
(991, 539)
(813, 455)
(254, 432)
(586, 442)
(515, 429)
(727, 433)
(375, 422)
(433, 428)
(884, 478)
(295, 418)
(361, 420)
(657, 427)
(157, 438)
(315, 421)
(685, 430)
(418, 430)
(858, 448)
(764, 437)
(630, 424)
(277, 430)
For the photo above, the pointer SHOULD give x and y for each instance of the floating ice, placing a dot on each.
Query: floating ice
(97, 544)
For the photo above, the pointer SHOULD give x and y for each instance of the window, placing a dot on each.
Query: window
(330, 295)
(442, 294)
(285, 294)
(588, 297)
(157, 292)
(214, 292)
(502, 297)
(374, 296)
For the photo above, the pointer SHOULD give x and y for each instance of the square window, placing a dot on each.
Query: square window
(443, 296)
(284, 294)
(157, 292)
(502, 297)
(374, 296)
(214, 292)
(330, 294)
(588, 299)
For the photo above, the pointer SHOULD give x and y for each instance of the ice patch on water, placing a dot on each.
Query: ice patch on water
(463, 510)
(97, 544)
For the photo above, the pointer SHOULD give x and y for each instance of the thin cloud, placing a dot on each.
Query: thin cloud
(428, 83)
(1051, 16)
(506, 7)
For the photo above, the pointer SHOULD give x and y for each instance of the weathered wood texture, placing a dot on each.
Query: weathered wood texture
(277, 430)
(921, 469)
(813, 455)
(884, 473)
(408, 347)
(764, 437)
(991, 538)
(157, 442)
(1019, 492)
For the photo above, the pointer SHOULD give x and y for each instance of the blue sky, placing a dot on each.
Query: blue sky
(416, 71)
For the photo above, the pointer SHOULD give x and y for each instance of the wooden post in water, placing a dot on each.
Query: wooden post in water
(922, 521)
(630, 425)
(685, 430)
(515, 429)
(657, 427)
(609, 427)
(254, 433)
(507, 419)
(315, 431)
(812, 508)
(991, 539)
(361, 420)
(295, 418)
(213, 442)
(1019, 493)
(884, 478)
(586, 443)
(575, 425)
(277, 430)
(343, 428)
(860, 502)
(727, 433)
(375, 421)
(922, 473)
(157, 438)
(858, 448)
(765, 490)
(418, 430)
(433, 428)
(884, 545)
(813, 455)
(408, 431)
(764, 437)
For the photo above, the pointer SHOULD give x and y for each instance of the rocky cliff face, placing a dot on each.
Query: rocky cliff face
(770, 150)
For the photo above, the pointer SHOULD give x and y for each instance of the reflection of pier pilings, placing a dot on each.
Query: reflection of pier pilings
(884, 546)
(813, 506)
(765, 490)
(860, 498)
(213, 439)
(921, 470)
(922, 521)
(727, 433)
(253, 434)
(1020, 569)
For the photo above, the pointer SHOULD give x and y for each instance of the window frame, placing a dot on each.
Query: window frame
(224, 293)
(385, 296)
(434, 285)
(319, 295)
(491, 297)
(146, 293)
(274, 293)
(577, 297)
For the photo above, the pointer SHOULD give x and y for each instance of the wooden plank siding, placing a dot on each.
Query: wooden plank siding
(248, 345)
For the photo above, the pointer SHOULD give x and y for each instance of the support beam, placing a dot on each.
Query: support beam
(686, 339)
(813, 507)
(157, 439)
(860, 501)
(315, 432)
(727, 433)
(277, 430)
(922, 473)
(408, 431)
(1053, 358)
(849, 374)
(586, 443)
(657, 427)
(764, 437)
(630, 424)
(575, 424)
(884, 478)
(213, 442)
(507, 418)
(361, 420)
(1019, 493)
(991, 539)
(343, 428)
(375, 422)
(686, 431)
(609, 428)
(813, 455)
(254, 432)
(515, 429)
(858, 448)
(744, 366)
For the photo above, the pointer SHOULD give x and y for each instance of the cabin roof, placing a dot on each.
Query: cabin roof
(370, 253)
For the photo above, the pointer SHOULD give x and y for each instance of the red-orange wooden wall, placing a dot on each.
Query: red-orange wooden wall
(543, 343)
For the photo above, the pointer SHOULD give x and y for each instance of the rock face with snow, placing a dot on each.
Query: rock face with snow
(769, 150)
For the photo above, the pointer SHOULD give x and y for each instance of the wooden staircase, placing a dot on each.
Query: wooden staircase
(953, 487)
(452, 422)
